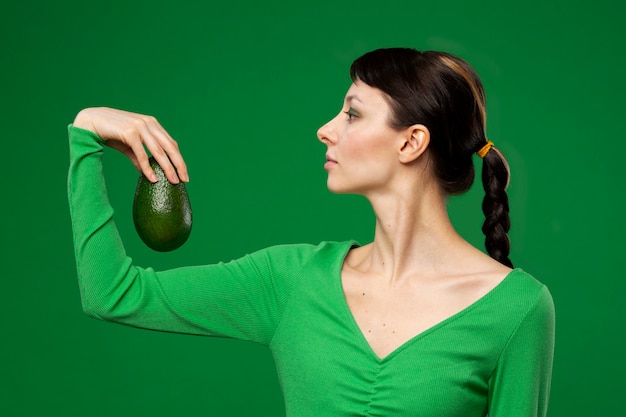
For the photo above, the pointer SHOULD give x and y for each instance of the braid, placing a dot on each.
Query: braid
(495, 176)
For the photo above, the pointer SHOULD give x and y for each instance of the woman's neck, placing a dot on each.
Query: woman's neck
(413, 237)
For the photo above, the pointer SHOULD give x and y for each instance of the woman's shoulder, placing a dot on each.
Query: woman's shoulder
(522, 292)
(524, 282)
(301, 253)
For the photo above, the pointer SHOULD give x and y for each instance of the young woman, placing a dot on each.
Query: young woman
(416, 323)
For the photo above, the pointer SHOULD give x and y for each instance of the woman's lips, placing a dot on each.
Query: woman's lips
(330, 162)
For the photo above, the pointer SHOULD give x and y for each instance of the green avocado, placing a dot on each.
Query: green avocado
(161, 211)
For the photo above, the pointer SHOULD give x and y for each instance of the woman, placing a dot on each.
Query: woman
(416, 323)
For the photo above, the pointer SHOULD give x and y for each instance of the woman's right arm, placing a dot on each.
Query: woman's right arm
(238, 299)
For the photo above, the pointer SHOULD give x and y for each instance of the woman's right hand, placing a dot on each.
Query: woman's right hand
(129, 132)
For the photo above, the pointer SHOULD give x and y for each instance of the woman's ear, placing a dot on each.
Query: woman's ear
(416, 140)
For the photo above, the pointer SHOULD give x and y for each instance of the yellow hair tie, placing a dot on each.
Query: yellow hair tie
(485, 149)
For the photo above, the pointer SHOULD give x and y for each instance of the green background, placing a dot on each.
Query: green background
(243, 86)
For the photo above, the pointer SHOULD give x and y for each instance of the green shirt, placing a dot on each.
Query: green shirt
(494, 357)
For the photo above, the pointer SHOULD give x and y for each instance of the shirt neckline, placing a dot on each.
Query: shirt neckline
(432, 329)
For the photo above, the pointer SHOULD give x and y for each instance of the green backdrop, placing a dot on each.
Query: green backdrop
(243, 86)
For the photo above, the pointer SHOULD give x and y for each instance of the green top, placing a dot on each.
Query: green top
(494, 357)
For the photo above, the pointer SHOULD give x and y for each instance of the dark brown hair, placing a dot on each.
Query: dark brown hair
(444, 93)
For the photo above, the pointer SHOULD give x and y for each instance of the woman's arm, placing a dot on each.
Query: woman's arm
(520, 385)
(239, 299)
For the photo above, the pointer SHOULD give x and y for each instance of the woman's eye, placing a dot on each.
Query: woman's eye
(352, 114)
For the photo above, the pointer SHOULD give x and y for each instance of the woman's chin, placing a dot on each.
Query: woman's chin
(336, 188)
(333, 188)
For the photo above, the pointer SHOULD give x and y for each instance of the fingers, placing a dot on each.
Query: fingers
(167, 154)
(165, 150)
(143, 162)
(135, 135)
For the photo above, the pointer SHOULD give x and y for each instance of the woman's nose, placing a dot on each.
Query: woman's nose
(325, 133)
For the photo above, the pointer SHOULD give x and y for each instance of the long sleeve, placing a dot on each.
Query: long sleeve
(520, 385)
(241, 299)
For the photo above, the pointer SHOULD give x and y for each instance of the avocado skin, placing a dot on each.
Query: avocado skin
(161, 211)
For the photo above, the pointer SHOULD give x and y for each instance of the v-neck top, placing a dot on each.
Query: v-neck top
(492, 358)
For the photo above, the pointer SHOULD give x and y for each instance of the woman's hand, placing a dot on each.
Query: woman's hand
(129, 132)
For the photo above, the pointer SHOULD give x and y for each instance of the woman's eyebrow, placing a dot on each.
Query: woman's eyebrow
(353, 97)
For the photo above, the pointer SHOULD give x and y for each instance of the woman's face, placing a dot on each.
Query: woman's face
(362, 147)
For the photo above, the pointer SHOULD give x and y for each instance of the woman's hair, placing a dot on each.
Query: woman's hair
(444, 93)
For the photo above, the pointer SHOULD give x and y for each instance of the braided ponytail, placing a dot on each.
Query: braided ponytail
(495, 177)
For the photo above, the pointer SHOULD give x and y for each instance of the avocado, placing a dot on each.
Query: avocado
(161, 211)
